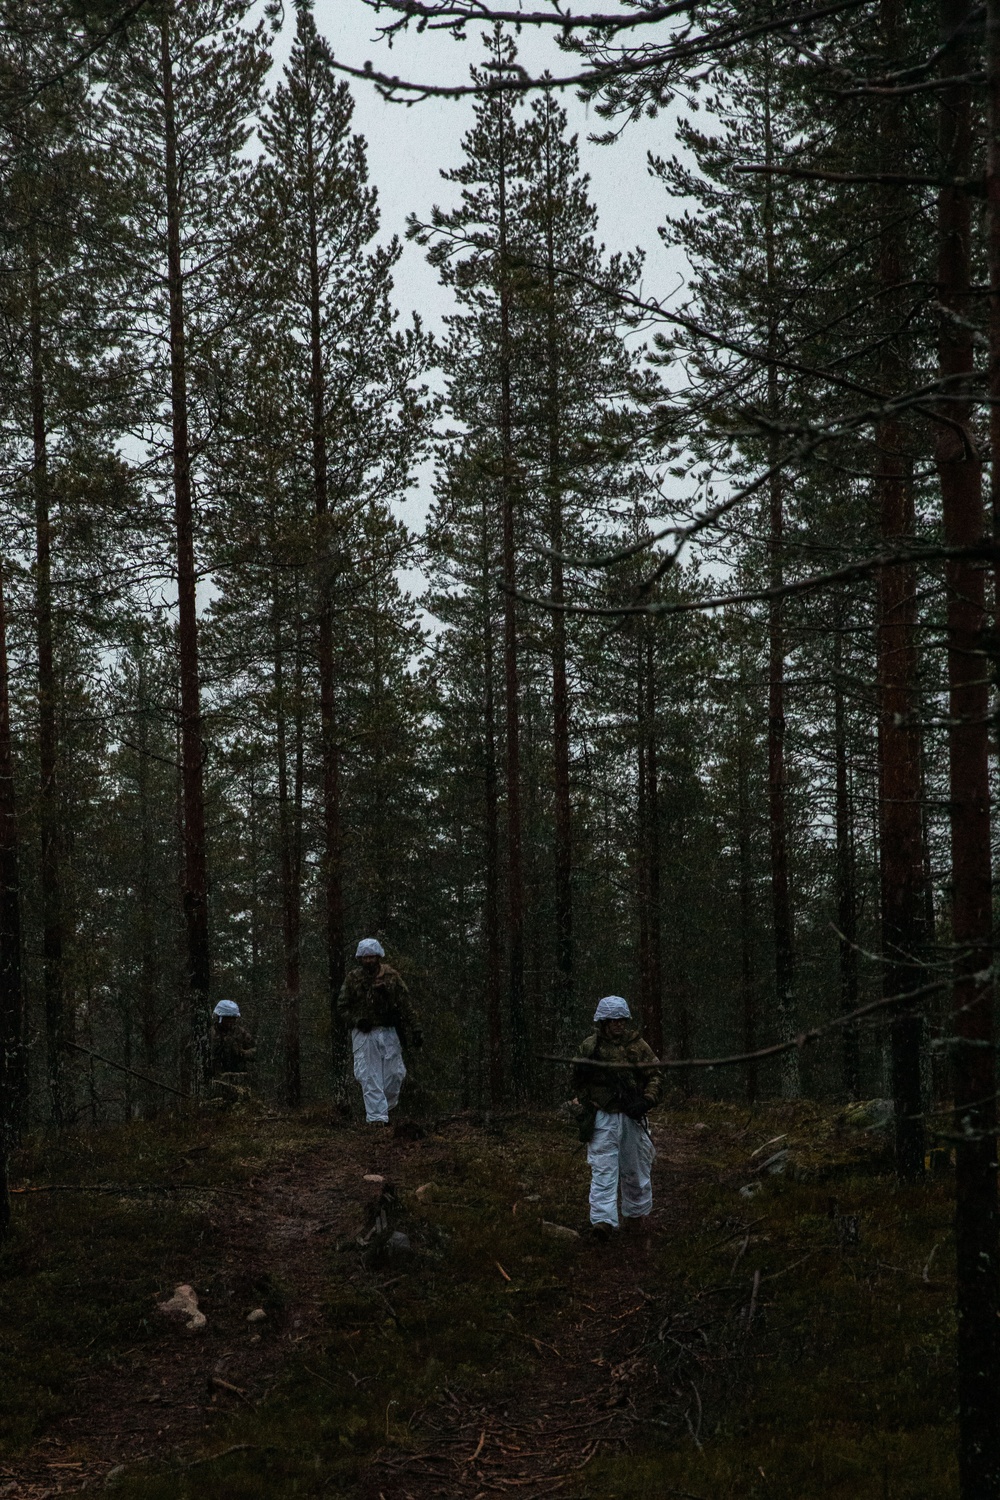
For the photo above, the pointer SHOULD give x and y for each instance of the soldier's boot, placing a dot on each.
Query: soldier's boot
(638, 1227)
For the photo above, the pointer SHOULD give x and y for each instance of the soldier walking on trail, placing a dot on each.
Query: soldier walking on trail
(232, 1045)
(614, 1104)
(376, 1007)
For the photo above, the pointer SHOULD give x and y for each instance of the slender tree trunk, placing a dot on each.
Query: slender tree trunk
(781, 907)
(847, 903)
(972, 1020)
(293, 975)
(13, 1059)
(145, 892)
(900, 841)
(654, 1018)
(333, 857)
(520, 1051)
(993, 251)
(195, 869)
(900, 846)
(50, 872)
(290, 909)
(491, 809)
(562, 808)
(744, 847)
(641, 836)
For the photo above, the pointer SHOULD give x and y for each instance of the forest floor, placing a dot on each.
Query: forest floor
(785, 1331)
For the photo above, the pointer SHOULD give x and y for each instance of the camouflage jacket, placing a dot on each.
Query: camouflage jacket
(232, 1049)
(381, 1000)
(614, 1089)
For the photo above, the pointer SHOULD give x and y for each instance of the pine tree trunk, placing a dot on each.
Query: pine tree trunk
(641, 838)
(978, 1290)
(900, 837)
(290, 900)
(900, 831)
(491, 840)
(13, 1058)
(195, 866)
(784, 949)
(562, 808)
(145, 892)
(653, 1020)
(520, 1052)
(781, 908)
(333, 854)
(847, 903)
(744, 847)
(49, 872)
(992, 60)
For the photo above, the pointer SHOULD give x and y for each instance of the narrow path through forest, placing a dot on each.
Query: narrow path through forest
(585, 1394)
(162, 1401)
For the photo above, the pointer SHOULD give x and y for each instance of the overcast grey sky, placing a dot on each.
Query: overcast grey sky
(408, 147)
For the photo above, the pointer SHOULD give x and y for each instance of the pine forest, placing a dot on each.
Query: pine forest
(499, 702)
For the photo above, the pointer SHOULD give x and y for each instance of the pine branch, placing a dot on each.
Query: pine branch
(986, 551)
(776, 1049)
(975, 185)
(398, 90)
(60, 75)
(456, 14)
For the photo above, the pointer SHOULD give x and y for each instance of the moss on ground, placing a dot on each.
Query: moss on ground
(841, 1386)
(82, 1269)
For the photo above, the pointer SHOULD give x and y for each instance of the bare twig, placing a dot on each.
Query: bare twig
(804, 1038)
(985, 551)
(753, 1298)
(121, 1068)
(686, 50)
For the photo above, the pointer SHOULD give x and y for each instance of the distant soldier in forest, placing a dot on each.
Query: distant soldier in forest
(614, 1103)
(375, 1006)
(233, 1049)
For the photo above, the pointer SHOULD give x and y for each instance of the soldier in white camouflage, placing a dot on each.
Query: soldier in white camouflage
(614, 1103)
(375, 1006)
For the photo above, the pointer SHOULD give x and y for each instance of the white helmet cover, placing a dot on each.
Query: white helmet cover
(612, 1008)
(226, 1008)
(370, 948)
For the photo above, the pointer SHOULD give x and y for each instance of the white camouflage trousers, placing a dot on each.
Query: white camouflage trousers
(620, 1152)
(380, 1070)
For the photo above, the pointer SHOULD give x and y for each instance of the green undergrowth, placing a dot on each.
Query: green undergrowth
(841, 1384)
(85, 1263)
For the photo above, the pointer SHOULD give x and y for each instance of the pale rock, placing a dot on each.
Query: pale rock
(559, 1231)
(257, 1315)
(184, 1304)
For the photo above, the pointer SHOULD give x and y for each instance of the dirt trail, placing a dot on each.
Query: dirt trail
(162, 1398)
(160, 1401)
(586, 1394)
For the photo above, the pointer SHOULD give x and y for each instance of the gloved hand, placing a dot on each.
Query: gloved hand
(364, 1026)
(638, 1107)
(416, 1039)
